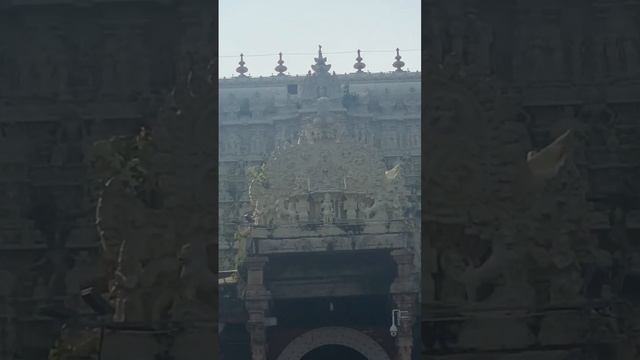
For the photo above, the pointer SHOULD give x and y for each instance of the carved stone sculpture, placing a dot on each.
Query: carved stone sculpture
(302, 207)
(328, 215)
(351, 207)
(525, 195)
(322, 163)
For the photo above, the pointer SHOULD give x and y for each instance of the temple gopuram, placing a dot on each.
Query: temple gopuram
(320, 213)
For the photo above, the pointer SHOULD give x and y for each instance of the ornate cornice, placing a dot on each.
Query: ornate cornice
(354, 78)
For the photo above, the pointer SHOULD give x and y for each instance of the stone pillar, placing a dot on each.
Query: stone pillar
(404, 292)
(257, 303)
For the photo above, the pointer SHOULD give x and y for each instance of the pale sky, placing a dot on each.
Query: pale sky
(261, 29)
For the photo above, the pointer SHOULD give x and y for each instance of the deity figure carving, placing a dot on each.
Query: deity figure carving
(268, 214)
(328, 211)
(350, 207)
(302, 207)
(291, 211)
(286, 211)
(265, 213)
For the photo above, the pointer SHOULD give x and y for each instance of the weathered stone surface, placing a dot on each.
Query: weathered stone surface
(563, 99)
(162, 246)
(67, 80)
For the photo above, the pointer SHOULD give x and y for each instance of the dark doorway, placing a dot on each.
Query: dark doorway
(333, 352)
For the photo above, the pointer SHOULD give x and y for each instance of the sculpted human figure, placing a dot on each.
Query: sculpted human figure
(268, 213)
(350, 206)
(291, 211)
(285, 211)
(303, 209)
(328, 215)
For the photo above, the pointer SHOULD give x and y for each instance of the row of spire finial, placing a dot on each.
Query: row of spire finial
(242, 69)
(398, 64)
(321, 65)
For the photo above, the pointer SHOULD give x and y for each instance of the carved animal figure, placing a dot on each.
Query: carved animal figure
(507, 250)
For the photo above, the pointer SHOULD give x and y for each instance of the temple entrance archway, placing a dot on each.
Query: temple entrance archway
(318, 339)
(333, 352)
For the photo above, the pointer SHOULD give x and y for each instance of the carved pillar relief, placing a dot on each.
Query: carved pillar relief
(257, 329)
(257, 304)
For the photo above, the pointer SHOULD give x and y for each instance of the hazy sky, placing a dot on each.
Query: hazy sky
(260, 27)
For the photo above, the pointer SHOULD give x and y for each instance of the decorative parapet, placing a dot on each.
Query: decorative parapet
(321, 69)
(351, 77)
